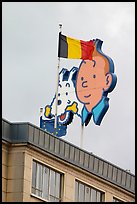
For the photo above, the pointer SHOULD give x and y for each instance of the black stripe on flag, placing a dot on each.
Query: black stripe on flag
(63, 46)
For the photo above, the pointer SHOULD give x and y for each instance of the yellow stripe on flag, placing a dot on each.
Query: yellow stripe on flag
(74, 48)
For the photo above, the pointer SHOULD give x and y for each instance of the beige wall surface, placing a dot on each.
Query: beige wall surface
(4, 171)
(17, 175)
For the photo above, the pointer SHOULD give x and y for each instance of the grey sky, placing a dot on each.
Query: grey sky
(29, 68)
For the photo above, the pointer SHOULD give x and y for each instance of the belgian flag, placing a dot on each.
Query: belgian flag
(75, 49)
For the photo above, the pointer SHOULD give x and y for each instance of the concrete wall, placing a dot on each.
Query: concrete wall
(4, 171)
(17, 175)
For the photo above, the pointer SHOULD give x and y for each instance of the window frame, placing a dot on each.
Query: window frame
(91, 188)
(56, 172)
(116, 199)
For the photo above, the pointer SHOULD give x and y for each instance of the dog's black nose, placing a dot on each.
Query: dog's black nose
(59, 102)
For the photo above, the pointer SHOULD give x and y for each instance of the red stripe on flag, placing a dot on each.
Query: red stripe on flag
(87, 48)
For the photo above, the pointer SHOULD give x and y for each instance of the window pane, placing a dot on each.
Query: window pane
(81, 192)
(57, 185)
(45, 182)
(87, 194)
(98, 196)
(56, 200)
(52, 198)
(34, 175)
(93, 195)
(40, 177)
(52, 183)
(39, 180)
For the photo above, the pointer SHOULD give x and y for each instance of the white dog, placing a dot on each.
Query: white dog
(67, 104)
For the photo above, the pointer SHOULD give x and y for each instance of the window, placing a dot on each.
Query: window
(117, 200)
(46, 182)
(85, 193)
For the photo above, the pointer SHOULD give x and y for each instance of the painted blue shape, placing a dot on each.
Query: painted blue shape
(48, 125)
(100, 110)
(84, 115)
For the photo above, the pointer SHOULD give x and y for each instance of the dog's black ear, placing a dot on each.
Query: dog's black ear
(74, 75)
(65, 76)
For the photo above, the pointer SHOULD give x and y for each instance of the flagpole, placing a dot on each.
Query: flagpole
(41, 114)
(55, 122)
(81, 136)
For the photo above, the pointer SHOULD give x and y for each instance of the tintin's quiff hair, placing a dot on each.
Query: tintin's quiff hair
(95, 54)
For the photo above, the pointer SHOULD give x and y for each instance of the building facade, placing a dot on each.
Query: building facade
(37, 167)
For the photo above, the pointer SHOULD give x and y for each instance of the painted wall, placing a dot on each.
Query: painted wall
(17, 174)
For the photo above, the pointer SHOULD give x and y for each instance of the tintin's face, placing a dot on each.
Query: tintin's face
(91, 82)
